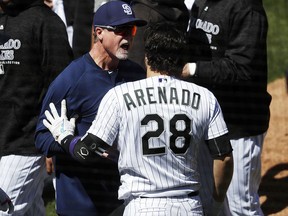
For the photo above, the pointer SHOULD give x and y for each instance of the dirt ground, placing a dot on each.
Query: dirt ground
(274, 186)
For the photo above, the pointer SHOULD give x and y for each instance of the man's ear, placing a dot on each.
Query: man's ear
(98, 33)
(146, 61)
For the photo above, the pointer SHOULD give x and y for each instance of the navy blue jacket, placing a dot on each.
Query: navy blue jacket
(83, 189)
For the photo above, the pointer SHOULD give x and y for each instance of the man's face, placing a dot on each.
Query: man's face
(117, 42)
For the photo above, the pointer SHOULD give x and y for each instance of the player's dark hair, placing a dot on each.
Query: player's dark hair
(164, 48)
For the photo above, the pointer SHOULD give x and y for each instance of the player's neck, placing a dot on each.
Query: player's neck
(102, 58)
(151, 73)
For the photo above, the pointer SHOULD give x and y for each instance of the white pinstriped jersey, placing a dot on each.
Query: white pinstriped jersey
(158, 123)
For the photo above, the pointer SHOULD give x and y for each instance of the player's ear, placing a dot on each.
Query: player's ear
(146, 61)
(98, 32)
(148, 69)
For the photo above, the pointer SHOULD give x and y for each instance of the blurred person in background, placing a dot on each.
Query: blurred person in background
(34, 50)
(236, 72)
(156, 11)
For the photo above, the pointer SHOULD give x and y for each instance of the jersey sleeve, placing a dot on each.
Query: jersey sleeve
(217, 140)
(107, 122)
(217, 126)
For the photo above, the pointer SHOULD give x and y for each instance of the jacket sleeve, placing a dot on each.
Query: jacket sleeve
(44, 140)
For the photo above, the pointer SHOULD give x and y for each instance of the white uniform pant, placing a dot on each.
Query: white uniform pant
(187, 206)
(242, 195)
(22, 178)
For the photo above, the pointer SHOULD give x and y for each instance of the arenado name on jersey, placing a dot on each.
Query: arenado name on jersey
(161, 95)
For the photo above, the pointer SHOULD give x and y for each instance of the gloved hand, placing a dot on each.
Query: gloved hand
(59, 126)
(5, 202)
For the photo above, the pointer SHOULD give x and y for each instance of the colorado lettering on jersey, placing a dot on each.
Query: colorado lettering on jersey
(7, 53)
(7, 49)
(150, 96)
(207, 27)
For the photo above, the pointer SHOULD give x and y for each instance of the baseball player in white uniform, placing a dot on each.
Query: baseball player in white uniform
(157, 125)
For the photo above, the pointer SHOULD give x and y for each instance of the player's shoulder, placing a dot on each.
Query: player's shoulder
(79, 66)
(127, 87)
(193, 85)
(72, 73)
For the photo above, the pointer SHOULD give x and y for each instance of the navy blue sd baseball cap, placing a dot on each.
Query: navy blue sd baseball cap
(115, 13)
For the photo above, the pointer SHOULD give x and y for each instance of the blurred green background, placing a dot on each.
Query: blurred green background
(277, 12)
